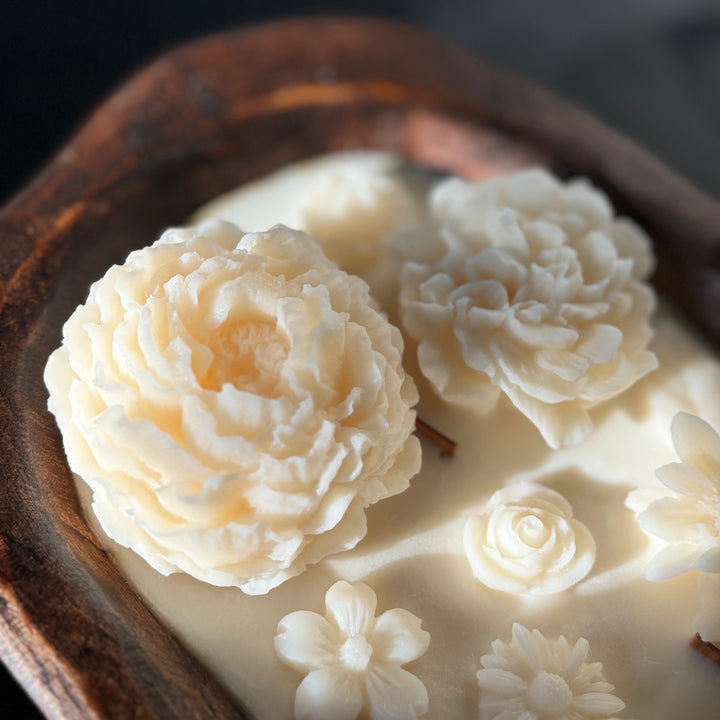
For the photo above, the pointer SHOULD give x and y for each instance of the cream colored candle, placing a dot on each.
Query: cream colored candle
(413, 556)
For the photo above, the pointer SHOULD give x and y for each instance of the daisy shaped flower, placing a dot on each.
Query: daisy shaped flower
(690, 520)
(535, 678)
(353, 659)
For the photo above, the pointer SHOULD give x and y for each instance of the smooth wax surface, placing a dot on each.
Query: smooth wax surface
(413, 557)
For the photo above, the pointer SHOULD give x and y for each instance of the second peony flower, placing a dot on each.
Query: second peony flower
(536, 291)
(235, 402)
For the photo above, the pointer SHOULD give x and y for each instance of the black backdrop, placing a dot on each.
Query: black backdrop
(651, 68)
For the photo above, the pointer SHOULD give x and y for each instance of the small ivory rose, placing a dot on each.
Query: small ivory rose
(538, 293)
(536, 678)
(235, 402)
(690, 520)
(526, 540)
(353, 659)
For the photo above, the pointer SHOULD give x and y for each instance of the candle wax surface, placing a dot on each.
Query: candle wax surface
(413, 555)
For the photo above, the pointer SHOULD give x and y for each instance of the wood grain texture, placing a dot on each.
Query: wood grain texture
(194, 123)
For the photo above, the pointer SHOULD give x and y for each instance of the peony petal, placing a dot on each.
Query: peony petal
(545, 335)
(565, 364)
(599, 343)
(306, 640)
(561, 424)
(395, 694)
(329, 694)
(398, 637)
(352, 607)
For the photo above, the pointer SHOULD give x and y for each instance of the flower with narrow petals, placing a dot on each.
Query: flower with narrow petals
(353, 659)
(690, 520)
(533, 678)
(536, 292)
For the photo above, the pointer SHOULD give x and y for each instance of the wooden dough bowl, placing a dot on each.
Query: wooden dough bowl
(194, 123)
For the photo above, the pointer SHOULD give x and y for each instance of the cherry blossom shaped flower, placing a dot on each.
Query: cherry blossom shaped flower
(689, 520)
(537, 292)
(353, 660)
(235, 402)
(535, 678)
(525, 540)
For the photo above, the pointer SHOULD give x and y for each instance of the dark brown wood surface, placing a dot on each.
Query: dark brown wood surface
(194, 123)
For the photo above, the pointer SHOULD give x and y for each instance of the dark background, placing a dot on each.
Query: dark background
(650, 68)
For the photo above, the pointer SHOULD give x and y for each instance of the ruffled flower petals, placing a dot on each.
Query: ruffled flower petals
(561, 424)
(544, 297)
(235, 402)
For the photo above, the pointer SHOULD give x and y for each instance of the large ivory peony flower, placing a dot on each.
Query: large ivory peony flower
(353, 659)
(536, 292)
(690, 520)
(533, 678)
(525, 540)
(235, 402)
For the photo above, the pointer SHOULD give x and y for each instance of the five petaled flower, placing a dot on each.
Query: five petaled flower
(534, 678)
(689, 522)
(353, 659)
